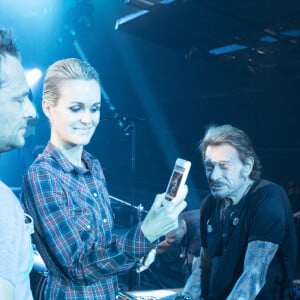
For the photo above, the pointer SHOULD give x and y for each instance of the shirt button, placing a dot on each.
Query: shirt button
(104, 220)
(88, 226)
(95, 194)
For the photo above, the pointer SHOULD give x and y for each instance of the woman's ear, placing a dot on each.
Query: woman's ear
(46, 108)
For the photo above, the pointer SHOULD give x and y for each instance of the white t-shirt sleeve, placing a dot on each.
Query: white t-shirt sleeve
(11, 216)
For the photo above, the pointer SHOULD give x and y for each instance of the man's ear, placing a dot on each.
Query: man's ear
(248, 166)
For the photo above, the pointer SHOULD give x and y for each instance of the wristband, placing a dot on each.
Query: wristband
(183, 296)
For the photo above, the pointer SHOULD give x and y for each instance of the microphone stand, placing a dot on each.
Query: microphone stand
(140, 209)
(131, 130)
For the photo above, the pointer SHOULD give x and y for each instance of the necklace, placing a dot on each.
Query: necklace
(224, 205)
(228, 201)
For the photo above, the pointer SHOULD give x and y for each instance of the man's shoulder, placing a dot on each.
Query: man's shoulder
(207, 202)
(265, 189)
(7, 196)
(10, 207)
(264, 185)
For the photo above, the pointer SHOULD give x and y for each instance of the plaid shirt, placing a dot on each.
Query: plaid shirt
(73, 228)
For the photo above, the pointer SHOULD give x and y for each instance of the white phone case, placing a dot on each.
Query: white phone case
(178, 178)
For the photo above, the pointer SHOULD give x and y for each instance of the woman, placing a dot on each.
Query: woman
(65, 192)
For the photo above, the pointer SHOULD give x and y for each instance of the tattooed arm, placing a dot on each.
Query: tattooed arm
(200, 274)
(258, 257)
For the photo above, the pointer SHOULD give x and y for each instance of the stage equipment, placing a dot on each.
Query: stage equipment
(140, 209)
(147, 295)
(130, 130)
(145, 4)
(296, 288)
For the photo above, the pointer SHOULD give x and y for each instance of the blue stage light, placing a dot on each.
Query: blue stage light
(227, 49)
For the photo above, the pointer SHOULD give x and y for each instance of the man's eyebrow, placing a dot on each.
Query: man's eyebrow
(218, 162)
(24, 94)
(224, 162)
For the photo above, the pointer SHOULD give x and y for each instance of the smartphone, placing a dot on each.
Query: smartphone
(178, 178)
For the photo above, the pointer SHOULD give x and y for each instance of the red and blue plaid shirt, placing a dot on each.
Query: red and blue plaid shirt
(73, 228)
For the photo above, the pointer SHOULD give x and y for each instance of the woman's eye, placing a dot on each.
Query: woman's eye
(75, 108)
(95, 109)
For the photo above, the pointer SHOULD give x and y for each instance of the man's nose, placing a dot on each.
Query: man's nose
(215, 173)
(30, 111)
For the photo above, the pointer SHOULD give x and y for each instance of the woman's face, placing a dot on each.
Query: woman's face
(76, 114)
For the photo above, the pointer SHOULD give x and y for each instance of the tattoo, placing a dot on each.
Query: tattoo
(192, 286)
(258, 257)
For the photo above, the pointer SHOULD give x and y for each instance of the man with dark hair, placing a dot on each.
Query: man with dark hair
(16, 255)
(248, 240)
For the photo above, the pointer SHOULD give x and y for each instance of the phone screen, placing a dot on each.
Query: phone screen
(174, 182)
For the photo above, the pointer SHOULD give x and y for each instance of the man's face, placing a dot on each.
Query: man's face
(15, 107)
(224, 171)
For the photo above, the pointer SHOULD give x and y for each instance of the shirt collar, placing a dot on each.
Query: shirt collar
(65, 164)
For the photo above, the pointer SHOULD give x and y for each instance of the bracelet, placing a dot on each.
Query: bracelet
(183, 296)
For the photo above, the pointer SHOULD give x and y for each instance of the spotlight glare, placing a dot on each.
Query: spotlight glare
(33, 76)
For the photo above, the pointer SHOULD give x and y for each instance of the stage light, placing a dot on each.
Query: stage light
(141, 7)
(227, 49)
(33, 76)
(130, 17)
(291, 33)
(268, 39)
(143, 4)
(147, 4)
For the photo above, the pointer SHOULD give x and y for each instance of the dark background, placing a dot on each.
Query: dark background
(158, 73)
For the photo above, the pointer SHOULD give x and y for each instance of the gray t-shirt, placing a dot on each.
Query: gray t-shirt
(16, 254)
